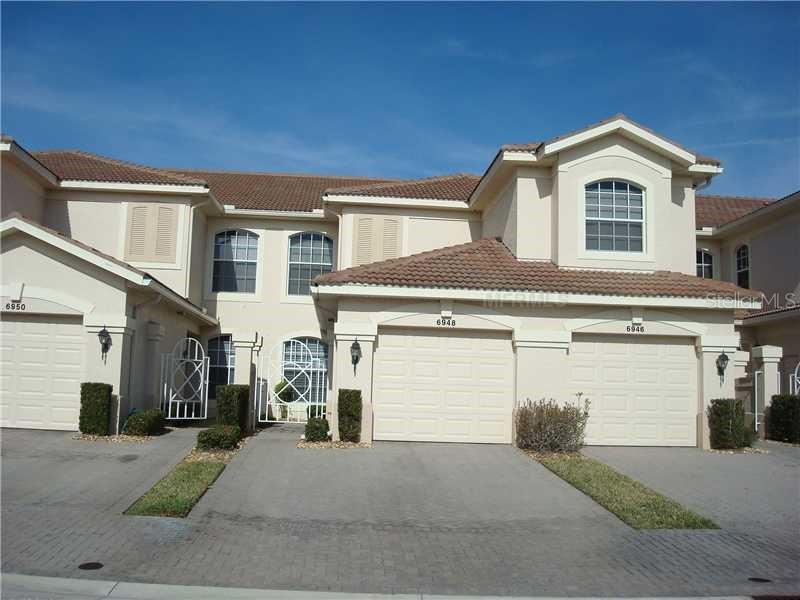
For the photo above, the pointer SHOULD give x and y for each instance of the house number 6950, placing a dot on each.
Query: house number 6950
(15, 306)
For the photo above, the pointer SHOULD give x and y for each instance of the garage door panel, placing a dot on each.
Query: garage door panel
(648, 400)
(459, 387)
(42, 361)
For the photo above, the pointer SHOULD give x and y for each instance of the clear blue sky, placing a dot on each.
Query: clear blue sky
(405, 90)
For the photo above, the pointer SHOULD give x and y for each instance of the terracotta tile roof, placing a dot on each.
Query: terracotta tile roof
(78, 165)
(487, 264)
(274, 191)
(6, 139)
(713, 211)
(529, 147)
(447, 187)
(707, 160)
(769, 311)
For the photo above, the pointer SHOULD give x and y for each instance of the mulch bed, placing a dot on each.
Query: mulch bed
(114, 439)
(336, 445)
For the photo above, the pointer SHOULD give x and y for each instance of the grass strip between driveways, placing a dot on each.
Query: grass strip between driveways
(179, 491)
(635, 504)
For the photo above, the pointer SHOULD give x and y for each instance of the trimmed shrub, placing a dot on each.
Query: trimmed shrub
(145, 422)
(219, 437)
(547, 426)
(95, 408)
(726, 424)
(783, 419)
(350, 415)
(232, 404)
(317, 430)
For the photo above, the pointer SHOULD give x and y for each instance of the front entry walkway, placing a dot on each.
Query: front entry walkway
(396, 518)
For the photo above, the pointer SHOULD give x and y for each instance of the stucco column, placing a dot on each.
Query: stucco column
(541, 364)
(355, 377)
(766, 359)
(541, 367)
(711, 384)
(152, 366)
(115, 366)
(244, 372)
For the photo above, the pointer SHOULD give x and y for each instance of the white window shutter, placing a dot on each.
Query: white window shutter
(391, 238)
(166, 232)
(137, 232)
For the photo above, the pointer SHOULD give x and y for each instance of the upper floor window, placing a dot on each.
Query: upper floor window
(614, 216)
(743, 266)
(310, 254)
(705, 264)
(235, 261)
(221, 363)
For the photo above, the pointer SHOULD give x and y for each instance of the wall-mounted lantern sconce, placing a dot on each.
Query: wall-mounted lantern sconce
(722, 364)
(355, 354)
(105, 341)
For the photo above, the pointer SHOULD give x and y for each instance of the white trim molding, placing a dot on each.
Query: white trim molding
(532, 297)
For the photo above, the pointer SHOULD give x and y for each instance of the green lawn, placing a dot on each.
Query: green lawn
(637, 505)
(179, 491)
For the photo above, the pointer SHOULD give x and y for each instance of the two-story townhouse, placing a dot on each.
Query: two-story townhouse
(753, 243)
(566, 268)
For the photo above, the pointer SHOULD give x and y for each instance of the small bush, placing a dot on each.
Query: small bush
(726, 424)
(350, 415)
(219, 437)
(95, 408)
(233, 402)
(783, 419)
(546, 426)
(317, 430)
(145, 422)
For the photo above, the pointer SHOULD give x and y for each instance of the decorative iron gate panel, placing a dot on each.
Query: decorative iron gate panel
(184, 381)
(292, 382)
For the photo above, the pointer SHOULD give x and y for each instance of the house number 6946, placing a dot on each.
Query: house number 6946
(446, 322)
(635, 329)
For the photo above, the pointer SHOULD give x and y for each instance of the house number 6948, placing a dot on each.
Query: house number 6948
(446, 322)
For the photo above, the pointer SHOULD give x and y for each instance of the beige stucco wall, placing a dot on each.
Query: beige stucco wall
(20, 192)
(422, 229)
(541, 338)
(784, 333)
(99, 219)
(197, 256)
(500, 217)
(774, 265)
(269, 315)
(669, 206)
(55, 279)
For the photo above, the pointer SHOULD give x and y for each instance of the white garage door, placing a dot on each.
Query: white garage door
(41, 368)
(443, 386)
(643, 391)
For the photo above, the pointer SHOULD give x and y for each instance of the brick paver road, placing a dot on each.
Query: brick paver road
(436, 518)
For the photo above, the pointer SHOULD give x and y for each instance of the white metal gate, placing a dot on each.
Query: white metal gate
(289, 389)
(184, 381)
(794, 381)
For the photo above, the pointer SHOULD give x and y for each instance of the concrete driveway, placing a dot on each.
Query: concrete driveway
(396, 518)
(751, 493)
(49, 468)
(398, 484)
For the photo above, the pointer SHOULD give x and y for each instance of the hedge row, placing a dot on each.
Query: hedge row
(95, 414)
(783, 418)
(350, 415)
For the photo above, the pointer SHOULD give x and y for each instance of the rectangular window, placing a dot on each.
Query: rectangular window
(614, 217)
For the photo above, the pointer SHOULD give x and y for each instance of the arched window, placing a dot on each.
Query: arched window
(222, 361)
(235, 261)
(310, 254)
(743, 266)
(705, 264)
(614, 217)
(295, 357)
